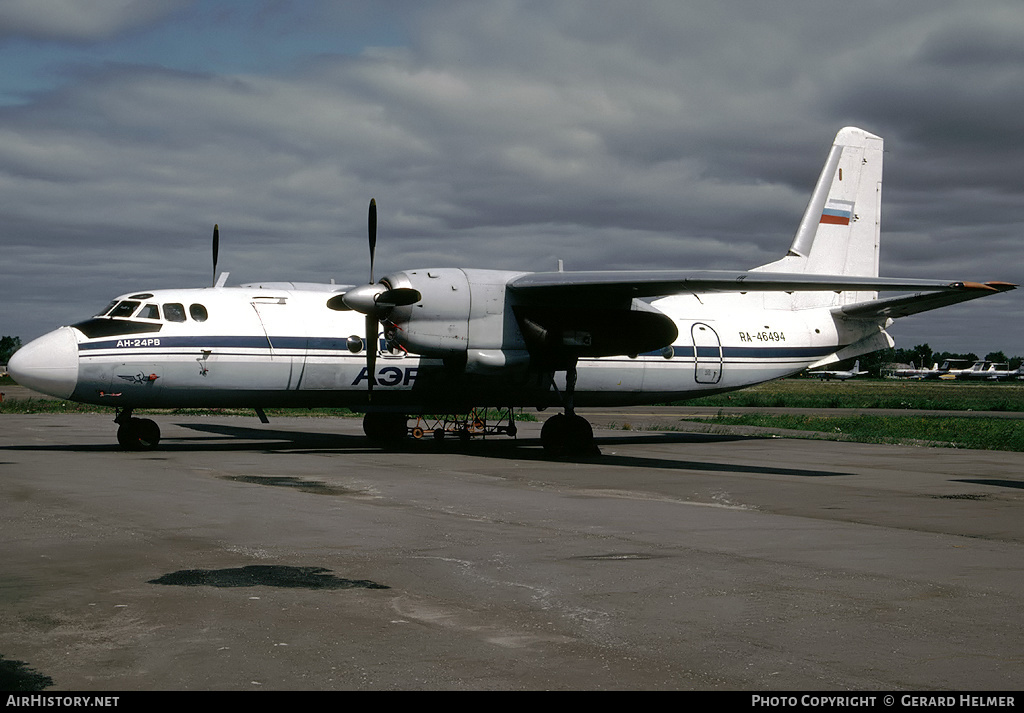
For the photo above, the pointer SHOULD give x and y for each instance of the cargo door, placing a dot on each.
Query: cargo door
(707, 350)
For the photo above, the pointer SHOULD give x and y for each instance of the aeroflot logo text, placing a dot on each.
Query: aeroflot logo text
(390, 376)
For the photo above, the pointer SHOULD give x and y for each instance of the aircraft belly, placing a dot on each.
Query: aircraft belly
(161, 379)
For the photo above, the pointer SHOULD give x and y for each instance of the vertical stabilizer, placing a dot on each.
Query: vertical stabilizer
(839, 231)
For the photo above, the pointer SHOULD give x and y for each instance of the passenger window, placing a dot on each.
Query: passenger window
(125, 308)
(198, 313)
(149, 312)
(174, 312)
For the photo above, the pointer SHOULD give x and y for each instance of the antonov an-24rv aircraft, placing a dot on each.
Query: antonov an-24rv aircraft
(444, 340)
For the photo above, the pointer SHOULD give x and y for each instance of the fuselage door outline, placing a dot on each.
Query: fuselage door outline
(707, 349)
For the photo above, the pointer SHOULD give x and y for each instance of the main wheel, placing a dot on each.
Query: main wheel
(568, 435)
(385, 426)
(553, 433)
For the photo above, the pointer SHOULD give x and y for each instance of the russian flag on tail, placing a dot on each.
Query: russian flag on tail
(837, 212)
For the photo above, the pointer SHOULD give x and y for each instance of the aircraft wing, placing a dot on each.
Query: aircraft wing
(654, 283)
(905, 305)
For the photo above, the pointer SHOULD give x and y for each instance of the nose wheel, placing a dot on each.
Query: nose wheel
(136, 434)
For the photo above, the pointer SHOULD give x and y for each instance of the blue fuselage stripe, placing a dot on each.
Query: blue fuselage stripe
(221, 342)
(158, 345)
(749, 352)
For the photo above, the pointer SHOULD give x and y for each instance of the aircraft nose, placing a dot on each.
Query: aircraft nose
(49, 364)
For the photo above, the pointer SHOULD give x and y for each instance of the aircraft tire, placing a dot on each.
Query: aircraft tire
(552, 434)
(565, 435)
(138, 434)
(385, 427)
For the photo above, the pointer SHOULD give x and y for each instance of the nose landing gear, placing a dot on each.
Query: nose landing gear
(136, 434)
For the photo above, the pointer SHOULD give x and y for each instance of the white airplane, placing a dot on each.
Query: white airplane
(949, 370)
(935, 372)
(443, 340)
(952, 369)
(838, 374)
(990, 371)
(912, 372)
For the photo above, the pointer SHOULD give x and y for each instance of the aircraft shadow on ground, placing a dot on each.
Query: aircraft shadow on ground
(505, 448)
(995, 482)
(228, 438)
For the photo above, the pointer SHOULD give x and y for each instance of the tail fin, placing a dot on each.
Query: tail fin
(839, 231)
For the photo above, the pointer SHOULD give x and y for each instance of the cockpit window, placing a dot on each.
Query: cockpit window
(106, 309)
(125, 308)
(174, 312)
(149, 312)
(198, 313)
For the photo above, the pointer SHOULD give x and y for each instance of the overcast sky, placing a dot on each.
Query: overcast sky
(502, 134)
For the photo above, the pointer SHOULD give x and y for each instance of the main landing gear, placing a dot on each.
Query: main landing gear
(568, 434)
(136, 434)
(386, 427)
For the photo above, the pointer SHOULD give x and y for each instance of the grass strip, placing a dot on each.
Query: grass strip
(873, 393)
(977, 432)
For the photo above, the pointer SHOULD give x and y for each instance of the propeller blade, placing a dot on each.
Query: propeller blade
(372, 225)
(371, 354)
(216, 251)
(337, 303)
(366, 302)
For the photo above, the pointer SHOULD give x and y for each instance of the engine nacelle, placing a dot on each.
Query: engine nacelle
(462, 313)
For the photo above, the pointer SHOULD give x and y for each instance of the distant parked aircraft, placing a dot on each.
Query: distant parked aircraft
(991, 371)
(840, 375)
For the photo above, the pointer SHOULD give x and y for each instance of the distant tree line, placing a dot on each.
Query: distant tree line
(8, 345)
